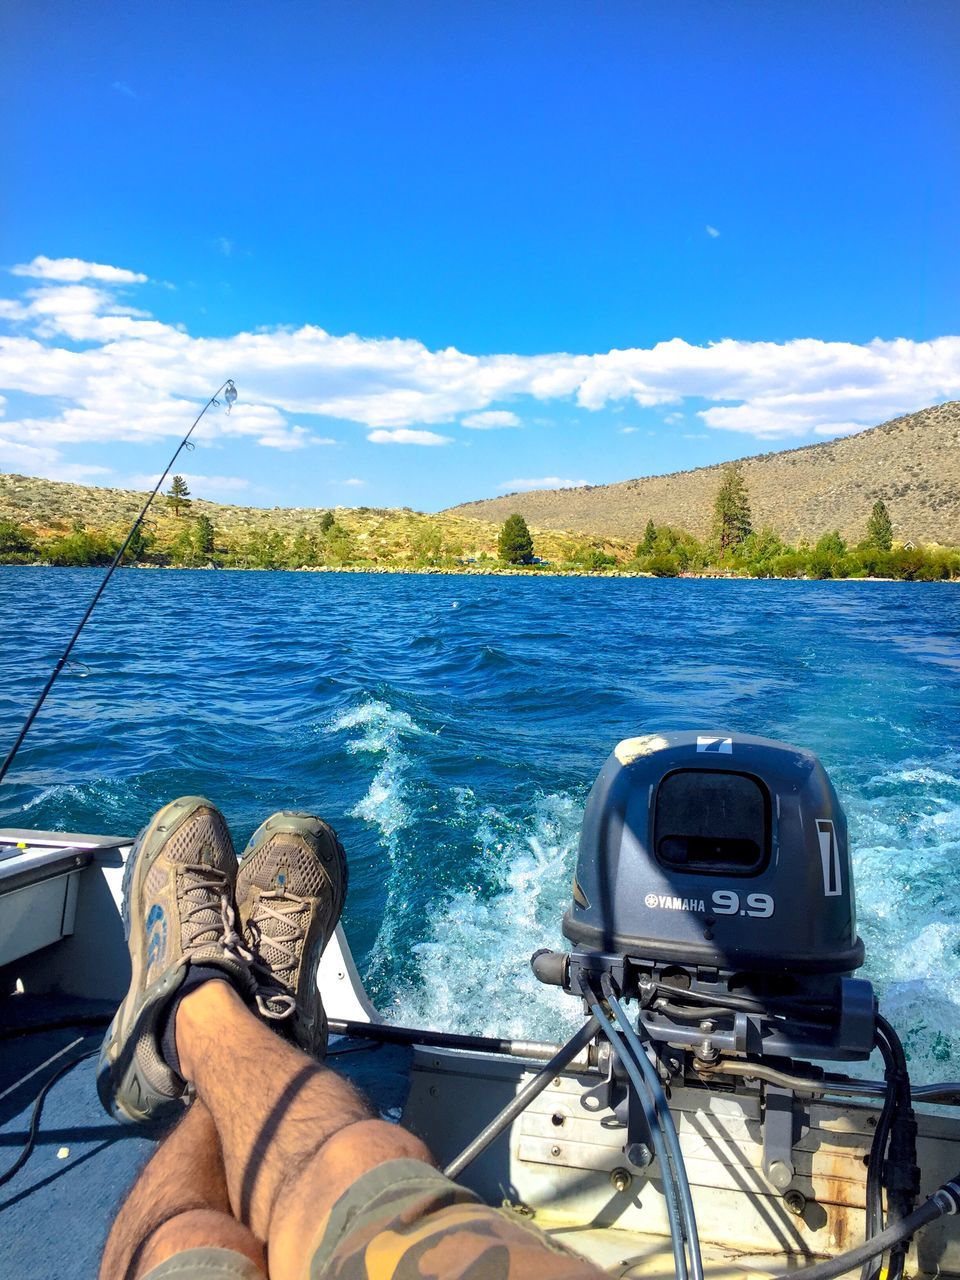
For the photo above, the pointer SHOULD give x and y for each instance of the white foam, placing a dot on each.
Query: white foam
(474, 964)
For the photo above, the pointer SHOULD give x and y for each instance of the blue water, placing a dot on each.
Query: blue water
(450, 728)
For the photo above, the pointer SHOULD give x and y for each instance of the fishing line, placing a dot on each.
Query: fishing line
(229, 392)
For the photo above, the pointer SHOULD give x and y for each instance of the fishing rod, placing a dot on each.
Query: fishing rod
(229, 393)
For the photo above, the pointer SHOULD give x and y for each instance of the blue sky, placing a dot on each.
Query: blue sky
(448, 250)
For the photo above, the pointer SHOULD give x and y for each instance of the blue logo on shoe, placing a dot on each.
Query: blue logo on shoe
(156, 935)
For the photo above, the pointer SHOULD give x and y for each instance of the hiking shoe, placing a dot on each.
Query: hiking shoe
(290, 892)
(177, 911)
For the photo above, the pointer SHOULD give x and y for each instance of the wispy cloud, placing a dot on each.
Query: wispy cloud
(541, 482)
(490, 420)
(75, 269)
(627, 431)
(712, 232)
(224, 245)
(121, 87)
(403, 435)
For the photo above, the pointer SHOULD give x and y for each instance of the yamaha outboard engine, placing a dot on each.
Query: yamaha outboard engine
(714, 885)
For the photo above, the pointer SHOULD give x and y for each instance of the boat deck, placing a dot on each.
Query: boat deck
(55, 1212)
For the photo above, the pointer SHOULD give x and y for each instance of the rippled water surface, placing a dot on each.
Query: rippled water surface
(450, 728)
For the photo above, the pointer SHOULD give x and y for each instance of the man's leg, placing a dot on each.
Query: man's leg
(179, 1202)
(293, 1134)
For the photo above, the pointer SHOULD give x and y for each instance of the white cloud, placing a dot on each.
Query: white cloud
(403, 436)
(121, 86)
(200, 486)
(224, 245)
(75, 269)
(712, 232)
(490, 420)
(542, 482)
(111, 372)
(628, 431)
(353, 482)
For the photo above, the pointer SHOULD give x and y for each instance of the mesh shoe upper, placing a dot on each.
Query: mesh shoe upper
(178, 911)
(290, 893)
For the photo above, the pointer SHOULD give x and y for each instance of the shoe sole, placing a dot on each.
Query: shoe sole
(117, 1073)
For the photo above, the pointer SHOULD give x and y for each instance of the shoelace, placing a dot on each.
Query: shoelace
(272, 1001)
(198, 881)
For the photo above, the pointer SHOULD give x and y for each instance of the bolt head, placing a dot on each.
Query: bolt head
(795, 1202)
(639, 1155)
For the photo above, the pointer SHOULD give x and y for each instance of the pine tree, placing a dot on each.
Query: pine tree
(203, 536)
(879, 528)
(731, 509)
(178, 495)
(649, 539)
(514, 543)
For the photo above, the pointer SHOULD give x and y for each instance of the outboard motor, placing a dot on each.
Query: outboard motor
(714, 885)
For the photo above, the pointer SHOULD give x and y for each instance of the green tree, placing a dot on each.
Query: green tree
(204, 536)
(828, 557)
(514, 543)
(264, 550)
(427, 545)
(731, 509)
(304, 550)
(178, 495)
(15, 540)
(649, 539)
(339, 545)
(139, 544)
(327, 522)
(879, 528)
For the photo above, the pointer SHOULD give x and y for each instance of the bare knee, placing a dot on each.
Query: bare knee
(362, 1146)
(198, 1229)
(312, 1191)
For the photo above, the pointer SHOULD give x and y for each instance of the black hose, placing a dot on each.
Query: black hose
(943, 1202)
(670, 1195)
(31, 1141)
(899, 1173)
(878, 1149)
(668, 1126)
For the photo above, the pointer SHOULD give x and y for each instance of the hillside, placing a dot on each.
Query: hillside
(50, 508)
(912, 462)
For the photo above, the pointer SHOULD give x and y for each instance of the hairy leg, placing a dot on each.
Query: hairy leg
(178, 1202)
(293, 1135)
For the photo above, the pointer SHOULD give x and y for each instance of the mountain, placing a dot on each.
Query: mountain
(912, 463)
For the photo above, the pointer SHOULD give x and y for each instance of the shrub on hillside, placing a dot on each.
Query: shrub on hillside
(83, 547)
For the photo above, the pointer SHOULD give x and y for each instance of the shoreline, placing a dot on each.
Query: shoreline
(470, 571)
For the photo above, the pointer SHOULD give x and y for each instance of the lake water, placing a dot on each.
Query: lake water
(450, 728)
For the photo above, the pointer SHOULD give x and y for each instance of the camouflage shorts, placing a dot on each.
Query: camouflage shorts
(405, 1221)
